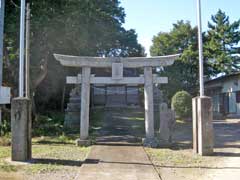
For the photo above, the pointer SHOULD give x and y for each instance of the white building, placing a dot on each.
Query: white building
(225, 92)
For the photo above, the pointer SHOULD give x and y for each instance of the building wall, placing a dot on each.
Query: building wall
(225, 100)
(231, 87)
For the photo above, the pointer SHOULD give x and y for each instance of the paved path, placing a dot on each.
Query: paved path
(119, 157)
(117, 163)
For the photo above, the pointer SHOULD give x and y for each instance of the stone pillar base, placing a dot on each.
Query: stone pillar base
(150, 142)
(21, 129)
(80, 142)
(203, 140)
(164, 144)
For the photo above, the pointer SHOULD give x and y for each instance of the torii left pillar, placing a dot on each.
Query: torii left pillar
(85, 103)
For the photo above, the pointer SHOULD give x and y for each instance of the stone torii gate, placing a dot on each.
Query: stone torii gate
(117, 64)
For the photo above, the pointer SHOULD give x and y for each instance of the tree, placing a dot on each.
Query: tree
(222, 44)
(74, 27)
(183, 74)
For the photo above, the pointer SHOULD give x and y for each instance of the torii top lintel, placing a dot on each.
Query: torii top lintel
(128, 62)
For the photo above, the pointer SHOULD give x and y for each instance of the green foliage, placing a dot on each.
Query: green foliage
(183, 74)
(5, 127)
(221, 52)
(74, 27)
(182, 104)
(51, 124)
(222, 44)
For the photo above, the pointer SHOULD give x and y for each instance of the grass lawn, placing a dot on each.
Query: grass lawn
(52, 155)
(49, 154)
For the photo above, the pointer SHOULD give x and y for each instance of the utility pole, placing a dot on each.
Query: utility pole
(4, 91)
(22, 48)
(203, 141)
(27, 66)
(2, 7)
(200, 45)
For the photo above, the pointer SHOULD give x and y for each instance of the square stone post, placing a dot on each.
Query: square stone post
(205, 126)
(85, 103)
(21, 129)
(203, 140)
(149, 113)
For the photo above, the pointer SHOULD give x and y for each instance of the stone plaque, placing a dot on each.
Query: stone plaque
(117, 71)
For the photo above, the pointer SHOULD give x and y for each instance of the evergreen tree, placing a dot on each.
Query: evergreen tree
(222, 44)
(183, 74)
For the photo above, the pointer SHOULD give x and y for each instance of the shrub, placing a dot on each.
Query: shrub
(182, 104)
(5, 127)
(48, 125)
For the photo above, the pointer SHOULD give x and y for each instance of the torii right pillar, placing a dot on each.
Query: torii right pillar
(149, 113)
(203, 136)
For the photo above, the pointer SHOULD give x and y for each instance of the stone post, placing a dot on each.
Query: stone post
(205, 126)
(149, 106)
(203, 140)
(167, 122)
(21, 129)
(85, 103)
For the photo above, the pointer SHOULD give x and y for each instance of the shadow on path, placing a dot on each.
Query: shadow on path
(121, 127)
(56, 162)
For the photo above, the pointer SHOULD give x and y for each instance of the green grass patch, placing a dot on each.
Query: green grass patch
(49, 158)
(41, 168)
(62, 139)
(5, 167)
(60, 152)
(5, 152)
(49, 154)
(178, 158)
(172, 158)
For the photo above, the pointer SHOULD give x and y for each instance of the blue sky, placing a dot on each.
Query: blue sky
(148, 17)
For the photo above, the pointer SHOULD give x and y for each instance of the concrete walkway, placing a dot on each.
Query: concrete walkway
(118, 154)
(116, 162)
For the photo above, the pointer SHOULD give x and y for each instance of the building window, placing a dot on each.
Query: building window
(238, 97)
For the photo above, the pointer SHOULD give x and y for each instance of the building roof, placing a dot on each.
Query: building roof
(223, 78)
